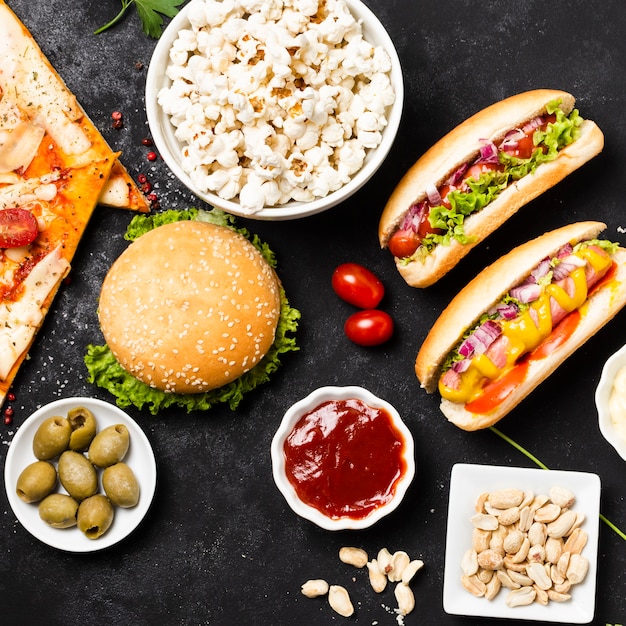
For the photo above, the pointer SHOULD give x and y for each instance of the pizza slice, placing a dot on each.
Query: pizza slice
(121, 192)
(45, 108)
(31, 274)
(55, 168)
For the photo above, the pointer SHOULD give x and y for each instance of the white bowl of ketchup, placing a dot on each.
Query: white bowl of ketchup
(342, 458)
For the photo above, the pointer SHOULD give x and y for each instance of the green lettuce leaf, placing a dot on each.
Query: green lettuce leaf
(105, 371)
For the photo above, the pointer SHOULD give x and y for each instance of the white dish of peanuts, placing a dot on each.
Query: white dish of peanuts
(522, 544)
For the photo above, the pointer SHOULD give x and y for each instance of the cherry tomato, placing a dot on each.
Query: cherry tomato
(18, 227)
(403, 243)
(369, 328)
(524, 147)
(475, 171)
(357, 285)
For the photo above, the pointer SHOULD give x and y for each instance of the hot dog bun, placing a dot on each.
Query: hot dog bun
(486, 289)
(462, 145)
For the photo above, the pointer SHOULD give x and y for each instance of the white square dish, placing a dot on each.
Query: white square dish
(467, 482)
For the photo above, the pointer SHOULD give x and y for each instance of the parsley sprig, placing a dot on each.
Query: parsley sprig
(151, 13)
(535, 460)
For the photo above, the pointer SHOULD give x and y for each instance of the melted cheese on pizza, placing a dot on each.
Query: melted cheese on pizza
(21, 318)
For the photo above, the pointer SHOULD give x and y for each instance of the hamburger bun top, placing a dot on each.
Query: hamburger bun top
(189, 307)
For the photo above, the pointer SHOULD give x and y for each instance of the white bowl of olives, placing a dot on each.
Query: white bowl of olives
(80, 474)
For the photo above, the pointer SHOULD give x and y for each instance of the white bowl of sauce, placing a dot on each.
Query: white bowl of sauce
(343, 458)
(610, 400)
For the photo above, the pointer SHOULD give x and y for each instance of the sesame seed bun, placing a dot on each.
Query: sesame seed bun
(189, 307)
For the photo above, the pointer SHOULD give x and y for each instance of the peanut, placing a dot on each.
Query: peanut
(353, 556)
(484, 521)
(506, 498)
(410, 570)
(577, 568)
(378, 579)
(562, 496)
(521, 597)
(405, 598)
(399, 561)
(339, 600)
(474, 585)
(315, 588)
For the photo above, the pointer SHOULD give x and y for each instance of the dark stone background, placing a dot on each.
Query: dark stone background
(220, 545)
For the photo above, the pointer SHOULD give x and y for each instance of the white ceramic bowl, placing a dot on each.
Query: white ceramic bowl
(139, 458)
(169, 147)
(291, 417)
(467, 482)
(602, 395)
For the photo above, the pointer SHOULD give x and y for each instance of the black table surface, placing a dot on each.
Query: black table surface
(219, 544)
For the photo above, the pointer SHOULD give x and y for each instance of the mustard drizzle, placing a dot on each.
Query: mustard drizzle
(523, 333)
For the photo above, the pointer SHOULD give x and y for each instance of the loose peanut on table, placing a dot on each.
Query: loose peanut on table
(386, 567)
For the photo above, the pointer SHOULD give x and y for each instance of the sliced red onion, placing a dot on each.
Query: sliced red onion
(566, 250)
(566, 266)
(480, 339)
(457, 175)
(511, 139)
(536, 122)
(461, 366)
(507, 311)
(414, 217)
(527, 292)
(541, 270)
(434, 197)
(488, 152)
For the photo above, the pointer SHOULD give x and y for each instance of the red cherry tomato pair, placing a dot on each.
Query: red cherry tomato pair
(362, 288)
(18, 227)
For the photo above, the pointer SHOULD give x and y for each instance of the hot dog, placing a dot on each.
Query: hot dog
(509, 328)
(478, 175)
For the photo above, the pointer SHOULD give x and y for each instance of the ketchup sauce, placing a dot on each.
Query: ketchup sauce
(345, 458)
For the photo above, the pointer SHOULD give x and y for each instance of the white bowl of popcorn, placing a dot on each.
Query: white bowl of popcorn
(274, 109)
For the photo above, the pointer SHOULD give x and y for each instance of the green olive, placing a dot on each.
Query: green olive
(120, 485)
(77, 475)
(58, 510)
(109, 446)
(95, 516)
(51, 438)
(84, 427)
(36, 481)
